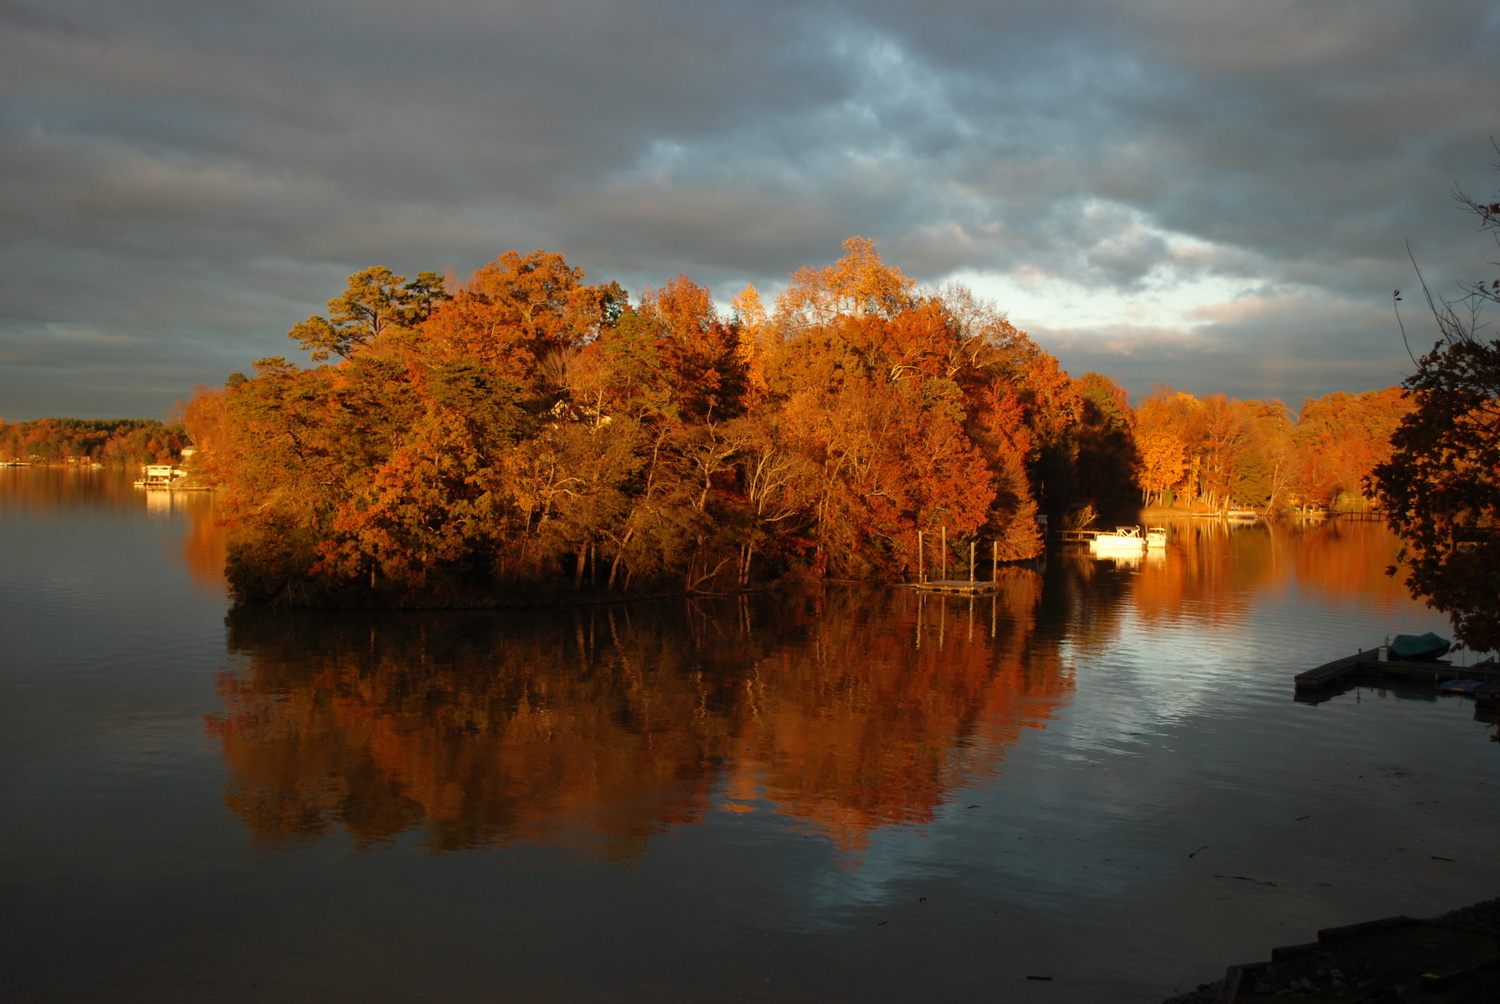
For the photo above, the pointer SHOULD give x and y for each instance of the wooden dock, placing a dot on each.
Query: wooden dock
(962, 587)
(1329, 674)
(1367, 664)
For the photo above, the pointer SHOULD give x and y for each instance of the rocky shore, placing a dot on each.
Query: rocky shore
(1317, 975)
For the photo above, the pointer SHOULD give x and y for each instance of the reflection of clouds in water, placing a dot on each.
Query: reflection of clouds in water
(896, 859)
(1150, 675)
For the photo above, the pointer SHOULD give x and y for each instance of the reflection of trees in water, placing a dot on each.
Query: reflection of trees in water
(1347, 561)
(1212, 567)
(1084, 599)
(44, 492)
(1223, 564)
(203, 542)
(598, 727)
(1213, 571)
(47, 490)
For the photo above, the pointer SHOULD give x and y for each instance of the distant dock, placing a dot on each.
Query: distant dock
(961, 587)
(1367, 665)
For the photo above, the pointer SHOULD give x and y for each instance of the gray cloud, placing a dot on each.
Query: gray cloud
(182, 182)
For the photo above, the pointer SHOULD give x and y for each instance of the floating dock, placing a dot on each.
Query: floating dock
(962, 587)
(1367, 664)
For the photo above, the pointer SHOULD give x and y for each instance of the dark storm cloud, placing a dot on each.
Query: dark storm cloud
(184, 181)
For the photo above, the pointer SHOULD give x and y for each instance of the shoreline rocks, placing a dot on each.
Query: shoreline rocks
(1315, 974)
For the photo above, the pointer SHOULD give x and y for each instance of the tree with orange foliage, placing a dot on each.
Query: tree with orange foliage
(1163, 462)
(519, 311)
(750, 322)
(699, 355)
(206, 419)
(1219, 450)
(856, 285)
(375, 299)
(1167, 431)
(1340, 439)
(878, 405)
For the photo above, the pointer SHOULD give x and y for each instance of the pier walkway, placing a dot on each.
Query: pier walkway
(1367, 665)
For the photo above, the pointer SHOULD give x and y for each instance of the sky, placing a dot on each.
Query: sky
(1218, 195)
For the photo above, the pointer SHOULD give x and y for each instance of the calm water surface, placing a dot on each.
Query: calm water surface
(1100, 776)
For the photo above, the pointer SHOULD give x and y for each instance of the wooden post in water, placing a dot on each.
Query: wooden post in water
(995, 561)
(945, 551)
(942, 622)
(971, 561)
(921, 572)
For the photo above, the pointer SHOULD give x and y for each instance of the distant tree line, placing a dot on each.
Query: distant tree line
(111, 442)
(1218, 451)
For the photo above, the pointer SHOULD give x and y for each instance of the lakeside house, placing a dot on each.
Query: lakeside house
(160, 476)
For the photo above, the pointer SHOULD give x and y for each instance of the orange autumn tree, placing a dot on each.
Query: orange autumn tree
(1167, 432)
(884, 392)
(858, 284)
(750, 318)
(1341, 438)
(205, 418)
(520, 312)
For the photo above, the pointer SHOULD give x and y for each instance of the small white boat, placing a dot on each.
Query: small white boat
(1241, 513)
(1156, 536)
(1120, 539)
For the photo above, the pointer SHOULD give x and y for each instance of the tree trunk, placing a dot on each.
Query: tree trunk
(614, 566)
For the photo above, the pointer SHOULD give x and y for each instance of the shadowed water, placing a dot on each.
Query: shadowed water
(1098, 776)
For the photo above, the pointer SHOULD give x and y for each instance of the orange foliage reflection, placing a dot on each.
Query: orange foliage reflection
(204, 544)
(598, 728)
(1212, 570)
(886, 711)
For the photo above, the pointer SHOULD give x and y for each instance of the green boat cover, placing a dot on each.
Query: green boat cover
(1419, 646)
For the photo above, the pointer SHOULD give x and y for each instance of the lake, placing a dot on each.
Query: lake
(1098, 776)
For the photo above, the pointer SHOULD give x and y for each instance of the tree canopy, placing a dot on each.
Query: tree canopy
(529, 432)
(375, 300)
(1441, 486)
